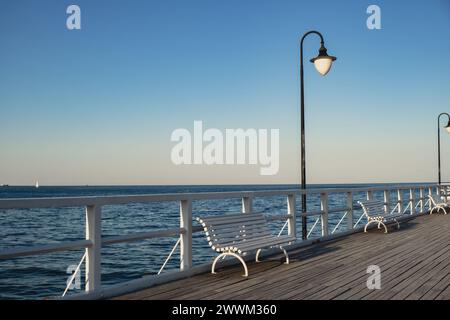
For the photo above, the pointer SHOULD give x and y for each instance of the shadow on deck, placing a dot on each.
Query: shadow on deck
(414, 262)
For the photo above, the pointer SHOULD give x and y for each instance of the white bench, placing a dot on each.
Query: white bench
(375, 212)
(437, 203)
(240, 234)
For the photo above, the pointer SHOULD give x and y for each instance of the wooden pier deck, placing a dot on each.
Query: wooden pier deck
(414, 262)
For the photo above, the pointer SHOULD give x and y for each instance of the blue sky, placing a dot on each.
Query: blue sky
(98, 105)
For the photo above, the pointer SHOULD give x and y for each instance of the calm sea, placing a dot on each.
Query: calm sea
(46, 275)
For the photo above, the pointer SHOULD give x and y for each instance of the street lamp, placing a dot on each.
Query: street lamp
(447, 127)
(323, 64)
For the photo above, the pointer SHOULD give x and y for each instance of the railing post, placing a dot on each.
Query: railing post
(93, 253)
(186, 236)
(400, 201)
(422, 199)
(430, 192)
(292, 220)
(247, 204)
(387, 200)
(412, 201)
(370, 195)
(324, 215)
(350, 210)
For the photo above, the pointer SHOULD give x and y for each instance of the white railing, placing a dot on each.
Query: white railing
(74, 275)
(94, 241)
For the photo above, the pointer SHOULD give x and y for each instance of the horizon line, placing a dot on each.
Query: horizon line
(207, 184)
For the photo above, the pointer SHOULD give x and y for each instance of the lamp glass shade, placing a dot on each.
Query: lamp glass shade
(447, 127)
(323, 64)
(323, 61)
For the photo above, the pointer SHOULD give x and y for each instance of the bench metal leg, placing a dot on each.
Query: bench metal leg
(281, 248)
(285, 254)
(379, 225)
(438, 208)
(229, 254)
(385, 228)
(367, 224)
(257, 255)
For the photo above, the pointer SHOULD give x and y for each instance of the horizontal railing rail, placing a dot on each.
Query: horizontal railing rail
(94, 241)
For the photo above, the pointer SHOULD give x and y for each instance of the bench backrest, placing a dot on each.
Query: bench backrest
(231, 228)
(373, 208)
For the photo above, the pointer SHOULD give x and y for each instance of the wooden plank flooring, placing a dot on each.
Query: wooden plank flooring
(414, 262)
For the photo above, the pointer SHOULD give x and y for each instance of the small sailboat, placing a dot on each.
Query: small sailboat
(37, 184)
